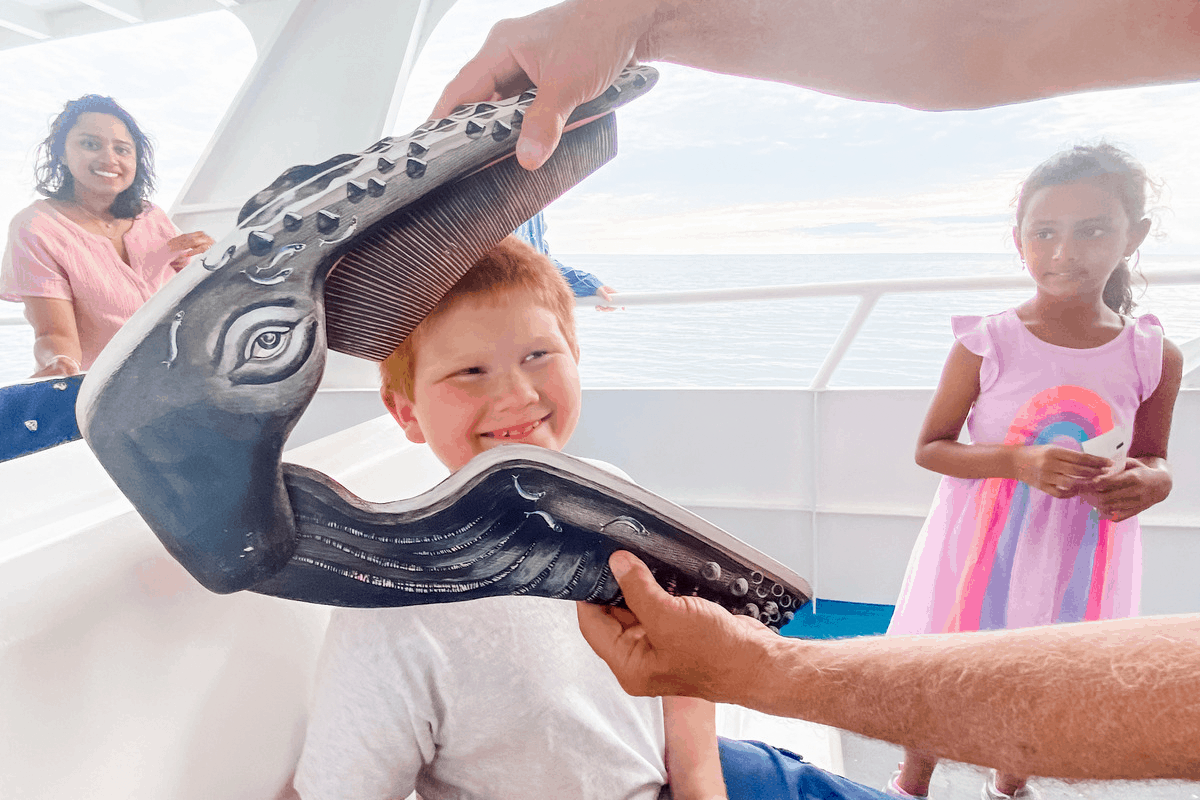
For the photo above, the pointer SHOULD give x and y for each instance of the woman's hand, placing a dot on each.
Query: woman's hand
(1057, 471)
(58, 365)
(1120, 496)
(185, 246)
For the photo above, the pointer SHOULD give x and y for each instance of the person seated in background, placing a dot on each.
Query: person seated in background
(497, 697)
(582, 283)
(86, 257)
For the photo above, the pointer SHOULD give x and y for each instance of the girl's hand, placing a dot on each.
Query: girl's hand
(1135, 489)
(1056, 471)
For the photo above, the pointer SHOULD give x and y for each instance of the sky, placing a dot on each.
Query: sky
(708, 163)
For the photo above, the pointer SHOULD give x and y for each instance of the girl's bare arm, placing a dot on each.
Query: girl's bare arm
(1057, 471)
(1146, 479)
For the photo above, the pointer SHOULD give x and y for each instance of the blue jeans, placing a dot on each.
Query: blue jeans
(756, 770)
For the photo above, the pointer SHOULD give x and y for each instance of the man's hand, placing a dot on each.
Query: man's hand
(667, 645)
(572, 52)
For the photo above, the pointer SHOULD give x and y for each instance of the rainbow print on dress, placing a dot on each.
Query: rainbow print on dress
(1066, 416)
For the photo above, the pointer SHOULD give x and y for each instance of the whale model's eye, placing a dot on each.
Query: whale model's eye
(266, 344)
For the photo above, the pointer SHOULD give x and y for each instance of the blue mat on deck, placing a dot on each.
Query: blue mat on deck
(837, 619)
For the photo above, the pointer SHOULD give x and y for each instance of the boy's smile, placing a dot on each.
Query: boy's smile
(489, 371)
(515, 432)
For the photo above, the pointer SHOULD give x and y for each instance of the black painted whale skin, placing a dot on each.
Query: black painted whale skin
(189, 407)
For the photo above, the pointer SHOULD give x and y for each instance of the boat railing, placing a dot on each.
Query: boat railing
(869, 292)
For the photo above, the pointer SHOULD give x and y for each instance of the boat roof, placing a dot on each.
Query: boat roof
(26, 22)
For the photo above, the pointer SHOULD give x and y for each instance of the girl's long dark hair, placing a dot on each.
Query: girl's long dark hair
(55, 180)
(1121, 174)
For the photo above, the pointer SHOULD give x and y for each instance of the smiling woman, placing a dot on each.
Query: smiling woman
(84, 259)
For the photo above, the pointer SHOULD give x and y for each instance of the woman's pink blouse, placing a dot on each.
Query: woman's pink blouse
(50, 256)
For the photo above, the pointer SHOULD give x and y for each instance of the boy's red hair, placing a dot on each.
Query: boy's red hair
(511, 266)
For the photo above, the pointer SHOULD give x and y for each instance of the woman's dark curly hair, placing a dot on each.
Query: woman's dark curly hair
(55, 180)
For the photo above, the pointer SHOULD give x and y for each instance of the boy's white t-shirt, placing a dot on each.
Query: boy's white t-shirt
(493, 698)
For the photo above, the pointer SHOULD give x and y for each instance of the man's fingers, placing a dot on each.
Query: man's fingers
(644, 597)
(600, 629)
(471, 85)
(493, 71)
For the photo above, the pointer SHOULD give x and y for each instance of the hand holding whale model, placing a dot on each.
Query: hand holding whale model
(931, 54)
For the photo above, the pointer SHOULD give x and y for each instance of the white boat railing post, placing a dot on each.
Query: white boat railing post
(820, 383)
(866, 305)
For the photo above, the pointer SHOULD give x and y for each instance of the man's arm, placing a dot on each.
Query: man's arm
(926, 54)
(1111, 700)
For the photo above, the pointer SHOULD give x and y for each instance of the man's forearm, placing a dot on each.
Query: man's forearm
(1110, 700)
(934, 54)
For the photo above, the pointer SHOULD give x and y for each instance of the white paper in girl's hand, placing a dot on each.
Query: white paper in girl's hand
(1113, 444)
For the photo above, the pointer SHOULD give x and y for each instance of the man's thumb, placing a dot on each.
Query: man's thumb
(642, 593)
(543, 126)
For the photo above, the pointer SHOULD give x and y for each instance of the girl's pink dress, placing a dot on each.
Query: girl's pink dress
(50, 256)
(996, 553)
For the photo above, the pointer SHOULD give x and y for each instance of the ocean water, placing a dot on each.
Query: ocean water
(771, 343)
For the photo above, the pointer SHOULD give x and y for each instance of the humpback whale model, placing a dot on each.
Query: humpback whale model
(188, 408)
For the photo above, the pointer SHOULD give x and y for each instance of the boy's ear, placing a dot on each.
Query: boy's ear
(1017, 241)
(401, 408)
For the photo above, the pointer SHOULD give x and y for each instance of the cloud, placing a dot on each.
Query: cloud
(950, 219)
(708, 163)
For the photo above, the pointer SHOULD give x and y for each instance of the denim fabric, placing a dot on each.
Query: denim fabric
(757, 770)
(583, 284)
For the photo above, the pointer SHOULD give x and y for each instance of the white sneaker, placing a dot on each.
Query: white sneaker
(991, 793)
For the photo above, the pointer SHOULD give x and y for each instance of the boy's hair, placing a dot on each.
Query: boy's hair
(1121, 174)
(511, 266)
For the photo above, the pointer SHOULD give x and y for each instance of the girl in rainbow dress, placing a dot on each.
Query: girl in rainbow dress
(1030, 525)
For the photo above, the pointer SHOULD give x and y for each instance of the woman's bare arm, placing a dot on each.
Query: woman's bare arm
(56, 346)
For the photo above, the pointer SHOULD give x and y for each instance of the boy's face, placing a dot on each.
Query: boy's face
(490, 371)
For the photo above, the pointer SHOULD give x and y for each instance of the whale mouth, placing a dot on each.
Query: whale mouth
(517, 520)
(189, 407)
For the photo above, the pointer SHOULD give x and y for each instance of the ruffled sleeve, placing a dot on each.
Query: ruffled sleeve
(29, 269)
(1147, 353)
(975, 335)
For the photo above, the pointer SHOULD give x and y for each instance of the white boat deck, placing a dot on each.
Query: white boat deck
(121, 677)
